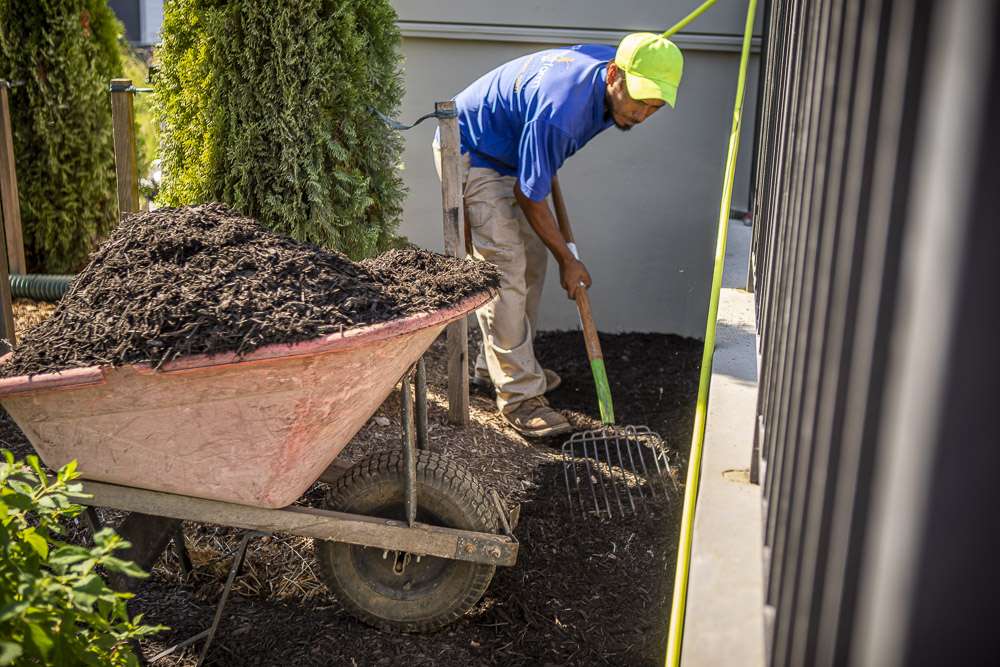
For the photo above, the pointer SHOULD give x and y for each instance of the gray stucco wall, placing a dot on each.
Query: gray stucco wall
(644, 204)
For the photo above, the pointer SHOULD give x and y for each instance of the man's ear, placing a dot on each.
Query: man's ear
(615, 74)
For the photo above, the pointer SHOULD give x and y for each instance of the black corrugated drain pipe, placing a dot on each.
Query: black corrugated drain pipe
(39, 286)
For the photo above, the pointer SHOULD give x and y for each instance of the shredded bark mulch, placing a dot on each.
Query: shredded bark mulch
(583, 592)
(202, 279)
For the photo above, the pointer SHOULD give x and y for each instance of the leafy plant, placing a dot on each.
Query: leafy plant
(267, 107)
(66, 52)
(54, 606)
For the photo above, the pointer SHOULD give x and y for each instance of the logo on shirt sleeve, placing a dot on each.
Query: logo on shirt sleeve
(548, 62)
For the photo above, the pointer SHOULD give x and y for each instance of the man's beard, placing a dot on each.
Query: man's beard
(610, 116)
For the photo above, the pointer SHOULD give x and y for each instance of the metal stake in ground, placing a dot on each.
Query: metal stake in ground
(123, 122)
(454, 224)
(8, 186)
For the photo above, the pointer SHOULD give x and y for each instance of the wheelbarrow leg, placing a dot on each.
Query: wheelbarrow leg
(421, 404)
(233, 571)
(92, 520)
(413, 441)
(180, 549)
(209, 634)
(409, 450)
(149, 536)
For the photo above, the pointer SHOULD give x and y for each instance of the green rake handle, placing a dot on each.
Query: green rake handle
(596, 356)
(586, 315)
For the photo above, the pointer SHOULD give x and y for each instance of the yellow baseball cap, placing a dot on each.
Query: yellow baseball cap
(653, 66)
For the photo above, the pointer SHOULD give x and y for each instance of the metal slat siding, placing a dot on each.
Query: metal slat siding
(814, 514)
(839, 113)
(801, 414)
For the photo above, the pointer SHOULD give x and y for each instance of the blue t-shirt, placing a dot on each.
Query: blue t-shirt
(534, 112)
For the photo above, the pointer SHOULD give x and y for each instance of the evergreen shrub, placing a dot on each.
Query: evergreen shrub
(265, 106)
(66, 52)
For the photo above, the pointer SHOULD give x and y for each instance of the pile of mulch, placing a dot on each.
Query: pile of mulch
(203, 279)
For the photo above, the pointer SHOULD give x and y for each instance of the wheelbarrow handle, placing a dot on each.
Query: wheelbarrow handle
(582, 298)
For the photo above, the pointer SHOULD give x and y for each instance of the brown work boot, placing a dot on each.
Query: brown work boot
(533, 418)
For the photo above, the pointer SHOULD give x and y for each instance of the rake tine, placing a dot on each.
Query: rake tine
(629, 446)
(645, 468)
(611, 473)
(582, 472)
(666, 462)
(567, 462)
(600, 473)
(658, 454)
(652, 479)
(572, 462)
(590, 480)
(621, 470)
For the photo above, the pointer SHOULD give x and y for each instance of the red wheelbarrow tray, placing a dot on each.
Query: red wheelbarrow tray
(257, 429)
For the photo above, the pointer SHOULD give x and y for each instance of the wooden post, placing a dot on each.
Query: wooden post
(123, 121)
(8, 188)
(454, 224)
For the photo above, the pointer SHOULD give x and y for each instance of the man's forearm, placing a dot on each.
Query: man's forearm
(572, 272)
(540, 218)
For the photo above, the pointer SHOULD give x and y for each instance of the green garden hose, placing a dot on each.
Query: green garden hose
(40, 287)
(676, 633)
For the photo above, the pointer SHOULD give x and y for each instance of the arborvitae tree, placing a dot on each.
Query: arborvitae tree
(266, 106)
(66, 52)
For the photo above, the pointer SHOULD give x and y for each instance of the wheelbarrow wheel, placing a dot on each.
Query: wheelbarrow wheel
(396, 590)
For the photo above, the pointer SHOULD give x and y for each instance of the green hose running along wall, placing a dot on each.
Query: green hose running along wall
(39, 287)
(676, 632)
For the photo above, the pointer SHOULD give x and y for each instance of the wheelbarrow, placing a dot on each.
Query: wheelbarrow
(407, 540)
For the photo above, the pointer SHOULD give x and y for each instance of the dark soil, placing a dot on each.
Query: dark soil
(583, 592)
(202, 279)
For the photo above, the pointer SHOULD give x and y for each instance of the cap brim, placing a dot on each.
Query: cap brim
(641, 88)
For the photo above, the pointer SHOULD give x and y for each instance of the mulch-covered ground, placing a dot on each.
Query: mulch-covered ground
(584, 592)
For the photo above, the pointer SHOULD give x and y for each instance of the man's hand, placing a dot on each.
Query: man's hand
(572, 273)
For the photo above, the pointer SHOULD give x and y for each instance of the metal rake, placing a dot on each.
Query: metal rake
(623, 469)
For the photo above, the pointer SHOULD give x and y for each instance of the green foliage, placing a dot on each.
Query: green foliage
(54, 606)
(66, 51)
(265, 106)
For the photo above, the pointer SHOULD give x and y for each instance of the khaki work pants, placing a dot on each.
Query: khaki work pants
(502, 235)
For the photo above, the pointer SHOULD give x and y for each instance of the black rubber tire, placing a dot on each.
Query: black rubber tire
(447, 495)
